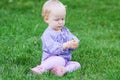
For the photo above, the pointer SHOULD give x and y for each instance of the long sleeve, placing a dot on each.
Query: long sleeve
(52, 43)
(51, 46)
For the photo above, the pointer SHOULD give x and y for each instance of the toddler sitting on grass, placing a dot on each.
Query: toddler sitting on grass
(57, 41)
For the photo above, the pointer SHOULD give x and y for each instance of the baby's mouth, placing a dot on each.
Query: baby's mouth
(59, 26)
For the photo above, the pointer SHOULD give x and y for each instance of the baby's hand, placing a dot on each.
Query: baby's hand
(70, 44)
(73, 44)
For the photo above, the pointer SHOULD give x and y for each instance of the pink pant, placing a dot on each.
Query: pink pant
(59, 61)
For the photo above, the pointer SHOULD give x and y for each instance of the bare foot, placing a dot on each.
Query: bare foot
(59, 70)
(38, 69)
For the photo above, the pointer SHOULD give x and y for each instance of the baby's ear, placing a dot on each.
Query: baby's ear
(46, 19)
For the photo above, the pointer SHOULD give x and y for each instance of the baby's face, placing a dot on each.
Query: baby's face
(56, 19)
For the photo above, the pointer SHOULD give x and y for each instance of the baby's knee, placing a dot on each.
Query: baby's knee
(59, 60)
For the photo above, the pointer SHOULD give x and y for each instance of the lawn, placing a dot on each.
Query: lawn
(95, 22)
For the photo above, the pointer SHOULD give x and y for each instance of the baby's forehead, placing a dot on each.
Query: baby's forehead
(59, 16)
(58, 13)
(58, 10)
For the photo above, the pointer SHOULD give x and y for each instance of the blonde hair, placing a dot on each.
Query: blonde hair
(48, 5)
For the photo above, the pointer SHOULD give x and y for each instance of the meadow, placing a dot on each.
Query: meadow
(95, 22)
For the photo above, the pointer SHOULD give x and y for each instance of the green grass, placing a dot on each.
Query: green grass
(95, 22)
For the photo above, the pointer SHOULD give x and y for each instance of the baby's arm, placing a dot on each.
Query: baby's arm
(51, 46)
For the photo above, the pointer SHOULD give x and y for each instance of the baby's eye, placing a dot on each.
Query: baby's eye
(59, 19)
(63, 18)
(56, 19)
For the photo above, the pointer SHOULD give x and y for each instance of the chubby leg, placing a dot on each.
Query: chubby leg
(58, 70)
(72, 66)
(52, 62)
(49, 64)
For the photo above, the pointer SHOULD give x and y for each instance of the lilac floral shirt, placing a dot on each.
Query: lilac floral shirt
(52, 43)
